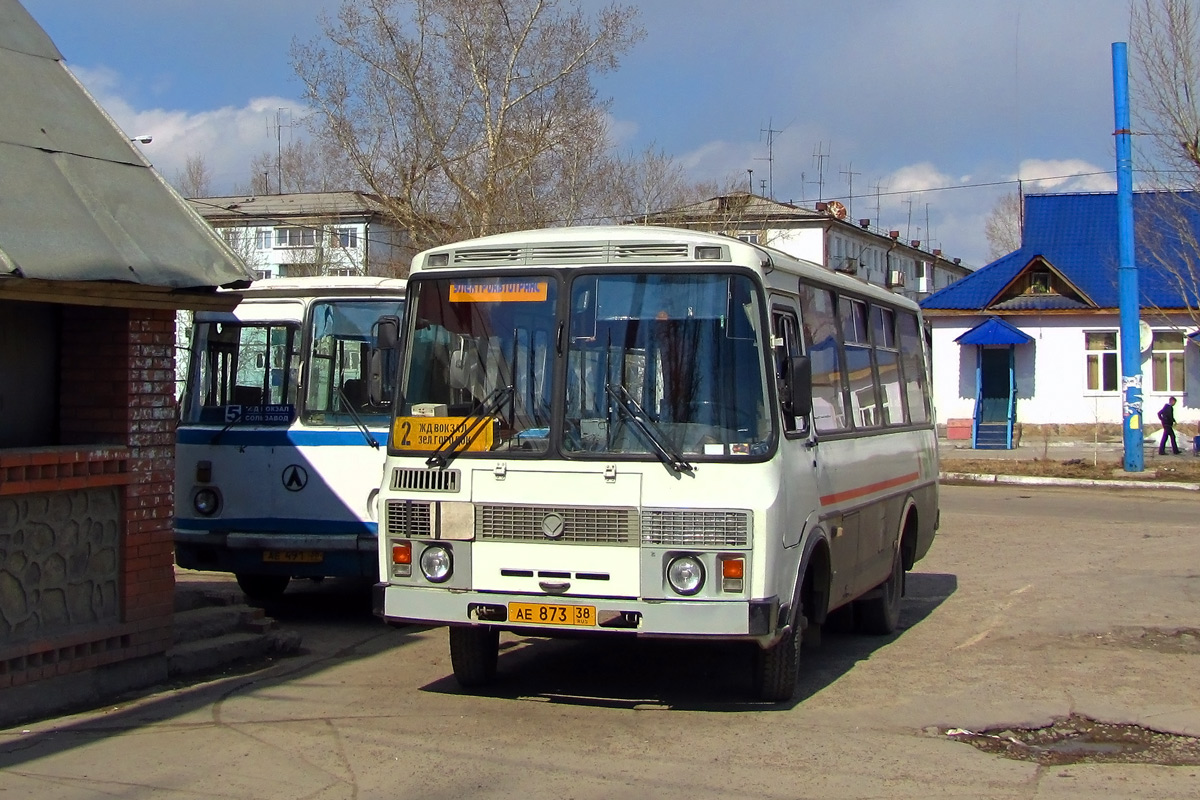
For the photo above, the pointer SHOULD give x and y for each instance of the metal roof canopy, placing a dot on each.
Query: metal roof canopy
(994, 331)
(78, 203)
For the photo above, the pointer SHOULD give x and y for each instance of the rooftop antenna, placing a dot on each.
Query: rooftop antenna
(876, 189)
(279, 126)
(770, 159)
(819, 156)
(908, 230)
(850, 173)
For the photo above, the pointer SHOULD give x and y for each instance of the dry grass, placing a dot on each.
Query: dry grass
(1185, 468)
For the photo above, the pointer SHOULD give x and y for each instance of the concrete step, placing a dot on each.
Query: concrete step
(214, 628)
(206, 655)
(209, 621)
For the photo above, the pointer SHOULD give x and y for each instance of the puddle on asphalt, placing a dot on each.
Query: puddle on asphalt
(1080, 740)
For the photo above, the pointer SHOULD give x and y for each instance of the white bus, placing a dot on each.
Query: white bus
(652, 432)
(280, 445)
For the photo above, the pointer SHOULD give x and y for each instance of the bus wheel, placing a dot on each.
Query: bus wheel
(777, 668)
(880, 615)
(474, 650)
(262, 587)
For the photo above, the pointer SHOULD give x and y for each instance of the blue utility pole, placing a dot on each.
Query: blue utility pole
(1127, 275)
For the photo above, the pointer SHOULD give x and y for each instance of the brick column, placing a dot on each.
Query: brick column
(118, 387)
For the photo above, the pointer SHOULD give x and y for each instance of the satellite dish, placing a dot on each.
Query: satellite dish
(836, 209)
(1145, 335)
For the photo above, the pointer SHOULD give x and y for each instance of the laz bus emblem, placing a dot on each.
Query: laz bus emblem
(295, 477)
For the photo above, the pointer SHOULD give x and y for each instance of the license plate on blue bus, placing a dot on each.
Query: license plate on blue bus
(293, 556)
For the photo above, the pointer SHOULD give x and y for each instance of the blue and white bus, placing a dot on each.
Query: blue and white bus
(282, 437)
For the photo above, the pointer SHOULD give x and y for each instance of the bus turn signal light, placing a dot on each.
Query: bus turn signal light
(401, 559)
(732, 572)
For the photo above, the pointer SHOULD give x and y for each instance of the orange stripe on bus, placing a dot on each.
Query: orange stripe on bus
(861, 491)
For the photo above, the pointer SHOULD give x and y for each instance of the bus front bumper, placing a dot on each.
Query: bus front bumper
(688, 619)
(298, 555)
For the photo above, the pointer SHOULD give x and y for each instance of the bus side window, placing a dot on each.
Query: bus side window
(787, 344)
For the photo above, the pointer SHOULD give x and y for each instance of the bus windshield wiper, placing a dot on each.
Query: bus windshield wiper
(235, 418)
(358, 421)
(659, 443)
(472, 425)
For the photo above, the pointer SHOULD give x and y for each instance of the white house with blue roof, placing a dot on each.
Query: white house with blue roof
(1033, 338)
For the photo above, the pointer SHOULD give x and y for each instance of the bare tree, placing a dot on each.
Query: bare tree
(1165, 86)
(652, 181)
(468, 117)
(299, 166)
(1003, 226)
(1165, 40)
(195, 179)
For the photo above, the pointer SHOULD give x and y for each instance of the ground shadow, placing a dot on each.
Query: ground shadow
(305, 603)
(682, 675)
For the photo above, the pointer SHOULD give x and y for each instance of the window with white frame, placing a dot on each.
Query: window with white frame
(1166, 362)
(752, 238)
(345, 237)
(295, 237)
(263, 238)
(1101, 353)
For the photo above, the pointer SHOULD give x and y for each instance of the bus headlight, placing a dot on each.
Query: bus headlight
(436, 564)
(686, 575)
(206, 502)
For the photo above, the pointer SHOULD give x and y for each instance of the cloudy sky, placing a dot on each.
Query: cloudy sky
(928, 110)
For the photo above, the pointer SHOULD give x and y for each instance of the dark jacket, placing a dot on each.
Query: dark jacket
(1166, 415)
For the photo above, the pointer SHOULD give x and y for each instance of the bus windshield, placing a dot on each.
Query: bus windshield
(660, 361)
(238, 365)
(667, 366)
(477, 342)
(343, 339)
(241, 366)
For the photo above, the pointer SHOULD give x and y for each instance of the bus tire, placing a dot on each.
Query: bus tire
(474, 651)
(777, 669)
(263, 588)
(879, 615)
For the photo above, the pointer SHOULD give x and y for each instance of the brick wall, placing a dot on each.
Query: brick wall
(117, 420)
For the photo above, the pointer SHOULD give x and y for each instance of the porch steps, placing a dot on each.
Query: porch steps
(992, 436)
(215, 628)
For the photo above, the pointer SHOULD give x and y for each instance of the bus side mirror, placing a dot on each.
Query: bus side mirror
(798, 386)
(375, 377)
(387, 333)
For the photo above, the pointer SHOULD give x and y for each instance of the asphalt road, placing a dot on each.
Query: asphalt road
(1032, 605)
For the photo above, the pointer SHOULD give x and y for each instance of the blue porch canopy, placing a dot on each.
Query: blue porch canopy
(994, 331)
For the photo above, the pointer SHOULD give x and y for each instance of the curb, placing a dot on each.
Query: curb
(1035, 480)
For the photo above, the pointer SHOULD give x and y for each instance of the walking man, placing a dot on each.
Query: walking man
(1166, 416)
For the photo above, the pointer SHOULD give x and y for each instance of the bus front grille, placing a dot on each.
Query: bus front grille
(695, 528)
(425, 480)
(495, 523)
(408, 518)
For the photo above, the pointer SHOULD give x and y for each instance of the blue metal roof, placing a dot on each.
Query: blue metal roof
(994, 331)
(1076, 234)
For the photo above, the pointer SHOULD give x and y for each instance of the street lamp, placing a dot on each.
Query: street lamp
(143, 139)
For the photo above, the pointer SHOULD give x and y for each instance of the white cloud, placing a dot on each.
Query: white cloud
(227, 138)
(1065, 175)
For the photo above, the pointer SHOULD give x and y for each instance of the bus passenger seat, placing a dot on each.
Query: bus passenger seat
(247, 395)
(355, 390)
